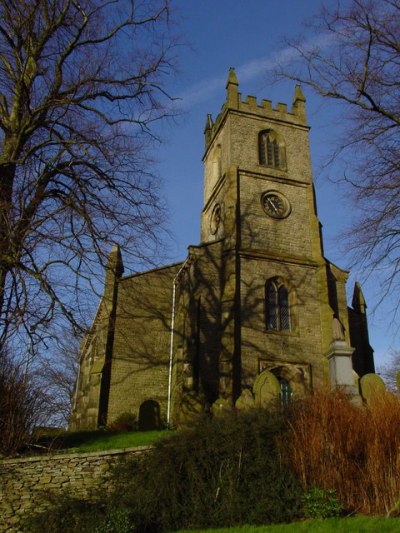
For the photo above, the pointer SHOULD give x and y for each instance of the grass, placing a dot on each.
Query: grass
(97, 442)
(356, 524)
(101, 440)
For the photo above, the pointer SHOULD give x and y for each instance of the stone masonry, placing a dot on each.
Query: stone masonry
(27, 485)
(256, 295)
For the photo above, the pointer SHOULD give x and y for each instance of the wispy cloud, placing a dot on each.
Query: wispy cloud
(253, 70)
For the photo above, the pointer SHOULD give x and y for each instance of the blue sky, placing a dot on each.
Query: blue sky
(249, 35)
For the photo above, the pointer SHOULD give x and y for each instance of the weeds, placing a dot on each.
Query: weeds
(355, 450)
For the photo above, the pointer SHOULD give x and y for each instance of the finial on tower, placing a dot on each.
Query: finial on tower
(209, 123)
(232, 89)
(358, 301)
(208, 128)
(298, 94)
(114, 271)
(232, 78)
(114, 262)
(299, 103)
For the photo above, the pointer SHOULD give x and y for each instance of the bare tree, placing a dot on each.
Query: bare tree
(56, 377)
(80, 86)
(390, 371)
(21, 406)
(356, 62)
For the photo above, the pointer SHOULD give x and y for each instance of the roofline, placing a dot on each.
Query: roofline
(151, 270)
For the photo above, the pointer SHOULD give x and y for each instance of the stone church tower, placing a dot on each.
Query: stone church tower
(255, 311)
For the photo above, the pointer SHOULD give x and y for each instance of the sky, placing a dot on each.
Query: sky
(250, 36)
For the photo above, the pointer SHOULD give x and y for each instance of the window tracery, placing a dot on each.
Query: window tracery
(271, 149)
(277, 306)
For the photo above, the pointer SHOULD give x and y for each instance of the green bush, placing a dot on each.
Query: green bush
(223, 472)
(119, 520)
(320, 503)
(124, 422)
(68, 516)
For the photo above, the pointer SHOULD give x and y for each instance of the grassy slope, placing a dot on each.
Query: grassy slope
(97, 441)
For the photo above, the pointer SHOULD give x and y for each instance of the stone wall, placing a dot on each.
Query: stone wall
(141, 348)
(27, 485)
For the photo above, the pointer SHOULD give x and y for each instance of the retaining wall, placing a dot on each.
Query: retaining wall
(28, 485)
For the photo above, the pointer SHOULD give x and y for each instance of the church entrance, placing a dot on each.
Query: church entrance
(149, 415)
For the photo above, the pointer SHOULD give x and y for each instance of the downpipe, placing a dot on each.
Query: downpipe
(171, 345)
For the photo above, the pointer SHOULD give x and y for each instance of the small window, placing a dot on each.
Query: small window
(286, 391)
(277, 307)
(271, 149)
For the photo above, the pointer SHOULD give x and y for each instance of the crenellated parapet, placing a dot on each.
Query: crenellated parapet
(264, 109)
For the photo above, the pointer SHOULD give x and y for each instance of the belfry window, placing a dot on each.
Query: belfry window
(277, 307)
(271, 149)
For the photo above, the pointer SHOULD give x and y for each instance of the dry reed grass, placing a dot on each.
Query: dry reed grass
(334, 444)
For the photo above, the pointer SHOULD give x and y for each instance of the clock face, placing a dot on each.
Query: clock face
(275, 204)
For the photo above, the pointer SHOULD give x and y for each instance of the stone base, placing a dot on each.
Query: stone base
(341, 369)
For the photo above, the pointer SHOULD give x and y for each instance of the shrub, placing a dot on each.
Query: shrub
(320, 503)
(223, 472)
(355, 450)
(124, 422)
(120, 520)
(68, 515)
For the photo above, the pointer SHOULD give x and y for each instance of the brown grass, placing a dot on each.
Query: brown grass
(334, 444)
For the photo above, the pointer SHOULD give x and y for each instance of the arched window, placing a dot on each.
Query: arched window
(277, 307)
(271, 149)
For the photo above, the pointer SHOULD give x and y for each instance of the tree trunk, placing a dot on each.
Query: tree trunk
(7, 173)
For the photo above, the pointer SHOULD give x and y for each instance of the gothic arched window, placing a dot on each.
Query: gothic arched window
(271, 149)
(277, 308)
(286, 391)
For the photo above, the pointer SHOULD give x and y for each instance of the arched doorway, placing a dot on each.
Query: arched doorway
(149, 415)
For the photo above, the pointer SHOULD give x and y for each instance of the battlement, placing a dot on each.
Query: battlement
(250, 104)
(234, 102)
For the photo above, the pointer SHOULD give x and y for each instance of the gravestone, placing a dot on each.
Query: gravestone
(266, 389)
(245, 401)
(221, 406)
(372, 386)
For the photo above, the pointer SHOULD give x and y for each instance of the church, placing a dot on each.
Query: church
(255, 312)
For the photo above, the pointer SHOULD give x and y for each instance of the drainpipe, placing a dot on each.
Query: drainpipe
(171, 346)
(78, 377)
